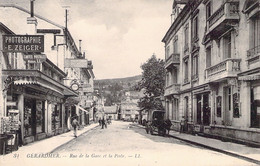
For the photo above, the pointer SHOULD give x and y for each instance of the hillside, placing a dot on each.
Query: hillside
(114, 89)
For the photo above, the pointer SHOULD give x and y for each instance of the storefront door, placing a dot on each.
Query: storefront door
(198, 109)
(206, 110)
(228, 105)
(255, 108)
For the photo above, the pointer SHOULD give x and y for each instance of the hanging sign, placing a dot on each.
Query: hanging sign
(37, 58)
(23, 43)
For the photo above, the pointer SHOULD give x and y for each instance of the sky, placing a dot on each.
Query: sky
(117, 35)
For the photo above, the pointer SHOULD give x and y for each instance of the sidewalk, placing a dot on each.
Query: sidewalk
(233, 149)
(49, 144)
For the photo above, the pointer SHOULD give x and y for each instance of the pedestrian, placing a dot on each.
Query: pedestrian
(19, 132)
(182, 125)
(103, 123)
(75, 124)
(100, 121)
(168, 125)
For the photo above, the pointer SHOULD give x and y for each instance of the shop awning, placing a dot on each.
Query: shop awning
(82, 109)
(27, 77)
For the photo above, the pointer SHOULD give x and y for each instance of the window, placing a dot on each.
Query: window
(186, 37)
(167, 52)
(208, 10)
(13, 60)
(195, 28)
(186, 70)
(195, 70)
(208, 57)
(175, 45)
(227, 46)
(256, 32)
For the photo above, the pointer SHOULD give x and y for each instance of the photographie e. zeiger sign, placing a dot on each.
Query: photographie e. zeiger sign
(23, 43)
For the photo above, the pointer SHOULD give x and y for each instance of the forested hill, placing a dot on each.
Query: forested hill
(114, 89)
(126, 82)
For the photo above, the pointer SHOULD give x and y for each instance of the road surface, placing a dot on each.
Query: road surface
(123, 143)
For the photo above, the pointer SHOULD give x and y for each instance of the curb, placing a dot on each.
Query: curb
(214, 149)
(72, 139)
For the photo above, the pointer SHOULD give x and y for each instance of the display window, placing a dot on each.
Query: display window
(56, 116)
(28, 119)
(39, 116)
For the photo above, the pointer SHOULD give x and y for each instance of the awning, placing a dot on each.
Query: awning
(251, 77)
(26, 77)
(82, 109)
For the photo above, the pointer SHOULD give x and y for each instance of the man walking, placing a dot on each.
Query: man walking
(75, 124)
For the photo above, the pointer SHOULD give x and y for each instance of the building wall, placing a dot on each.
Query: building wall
(216, 85)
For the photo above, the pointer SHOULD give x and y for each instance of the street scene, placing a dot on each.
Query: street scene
(140, 82)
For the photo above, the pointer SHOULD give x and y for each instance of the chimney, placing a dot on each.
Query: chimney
(80, 46)
(32, 8)
(32, 20)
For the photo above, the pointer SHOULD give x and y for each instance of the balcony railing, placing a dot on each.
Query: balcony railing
(253, 55)
(227, 11)
(172, 89)
(173, 59)
(226, 68)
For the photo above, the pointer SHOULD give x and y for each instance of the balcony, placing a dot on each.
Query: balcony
(253, 56)
(172, 89)
(222, 70)
(173, 59)
(223, 19)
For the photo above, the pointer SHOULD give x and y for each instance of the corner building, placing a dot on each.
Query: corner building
(212, 64)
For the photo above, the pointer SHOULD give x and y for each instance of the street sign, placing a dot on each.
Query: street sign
(76, 63)
(23, 43)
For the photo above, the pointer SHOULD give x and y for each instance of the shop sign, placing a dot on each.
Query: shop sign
(54, 31)
(11, 103)
(75, 86)
(23, 43)
(38, 58)
(76, 63)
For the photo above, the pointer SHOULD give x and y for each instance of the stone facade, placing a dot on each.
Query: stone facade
(212, 64)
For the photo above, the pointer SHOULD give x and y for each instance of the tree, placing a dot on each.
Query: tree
(152, 82)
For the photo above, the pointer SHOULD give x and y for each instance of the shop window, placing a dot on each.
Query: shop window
(255, 107)
(28, 118)
(219, 106)
(56, 124)
(39, 116)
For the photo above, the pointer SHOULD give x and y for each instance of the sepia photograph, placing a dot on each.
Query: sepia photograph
(130, 82)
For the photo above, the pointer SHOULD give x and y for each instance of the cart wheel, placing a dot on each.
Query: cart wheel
(147, 130)
(151, 131)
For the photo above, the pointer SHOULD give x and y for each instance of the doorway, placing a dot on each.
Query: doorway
(206, 110)
(227, 105)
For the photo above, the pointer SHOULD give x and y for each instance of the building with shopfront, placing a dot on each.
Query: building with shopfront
(212, 65)
(38, 84)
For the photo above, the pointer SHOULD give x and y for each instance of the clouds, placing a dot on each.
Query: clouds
(117, 35)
